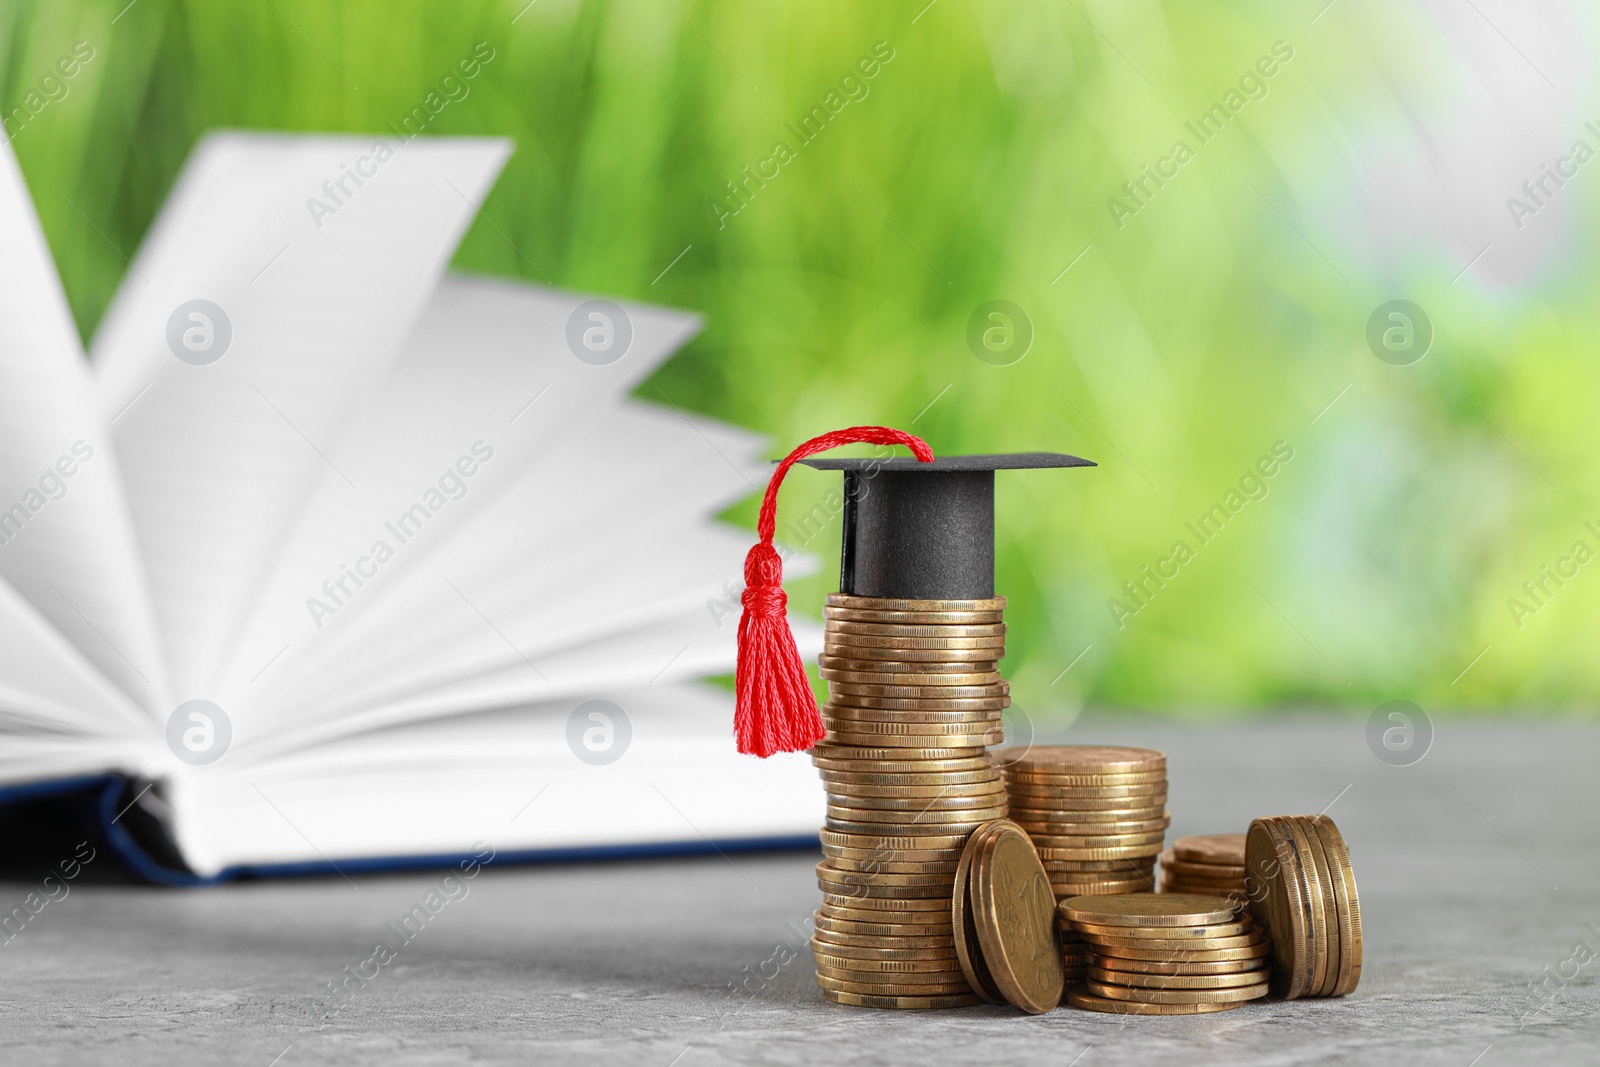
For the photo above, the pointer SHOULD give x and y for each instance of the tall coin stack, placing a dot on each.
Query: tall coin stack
(915, 698)
(1205, 864)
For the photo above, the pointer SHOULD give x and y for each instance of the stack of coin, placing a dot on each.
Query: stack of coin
(1300, 886)
(1167, 954)
(1096, 814)
(915, 697)
(1206, 864)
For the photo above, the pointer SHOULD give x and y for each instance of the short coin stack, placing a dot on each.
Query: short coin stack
(915, 697)
(1301, 887)
(1097, 814)
(1205, 864)
(1167, 954)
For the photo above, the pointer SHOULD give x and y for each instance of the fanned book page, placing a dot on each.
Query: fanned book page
(357, 561)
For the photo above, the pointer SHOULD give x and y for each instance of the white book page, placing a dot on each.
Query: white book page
(50, 692)
(227, 411)
(66, 539)
(556, 565)
(508, 780)
(485, 388)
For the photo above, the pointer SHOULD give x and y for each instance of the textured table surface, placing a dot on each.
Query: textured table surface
(1479, 869)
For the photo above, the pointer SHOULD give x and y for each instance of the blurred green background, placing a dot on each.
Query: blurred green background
(1177, 339)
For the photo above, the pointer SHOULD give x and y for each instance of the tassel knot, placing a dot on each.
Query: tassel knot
(775, 710)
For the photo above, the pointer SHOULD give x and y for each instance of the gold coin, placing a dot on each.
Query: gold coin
(1277, 901)
(902, 923)
(917, 816)
(1082, 842)
(1096, 819)
(1063, 890)
(1332, 891)
(862, 1000)
(1260, 950)
(1052, 835)
(1027, 778)
(1320, 909)
(857, 957)
(1106, 853)
(1014, 911)
(875, 603)
(872, 789)
(910, 829)
(832, 875)
(1117, 963)
(923, 706)
(983, 776)
(1150, 909)
(1349, 907)
(890, 986)
(873, 657)
(1177, 944)
(919, 742)
(914, 935)
(1141, 864)
(963, 919)
(826, 758)
(1199, 870)
(943, 969)
(1112, 829)
(1175, 981)
(1066, 809)
(1220, 887)
(882, 629)
(844, 643)
(1176, 996)
(1045, 796)
(836, 943)
(938, 910)
(1001, 688)
(894, 842)
(844, 714)
(1083, 759)
(905, 728)
(1077, 998)
(933, 668)
(877, 866)
(1218, 849)
(850, 854)
(906, 678)
(1063, 875)
(948, 800)
(1163, 933)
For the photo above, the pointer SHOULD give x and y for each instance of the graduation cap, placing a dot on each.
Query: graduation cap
(914, 529)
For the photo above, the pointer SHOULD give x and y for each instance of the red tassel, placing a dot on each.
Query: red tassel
(775, 711)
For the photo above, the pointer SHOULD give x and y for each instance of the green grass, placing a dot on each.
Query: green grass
(1176, 351)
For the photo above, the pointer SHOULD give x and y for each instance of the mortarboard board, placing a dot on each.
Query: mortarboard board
(924, 531)
(915, 529)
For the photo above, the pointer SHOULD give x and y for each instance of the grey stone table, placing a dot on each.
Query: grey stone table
(1479, 869)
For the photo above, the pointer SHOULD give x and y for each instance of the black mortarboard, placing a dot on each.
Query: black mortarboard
(924, 531)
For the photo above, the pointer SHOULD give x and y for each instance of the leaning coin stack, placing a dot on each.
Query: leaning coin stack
(1097, 814)
(1167, 954)
(915, 697)
(1301, 887)
(1205, 864)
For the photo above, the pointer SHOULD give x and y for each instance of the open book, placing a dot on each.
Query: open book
(335, 558)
